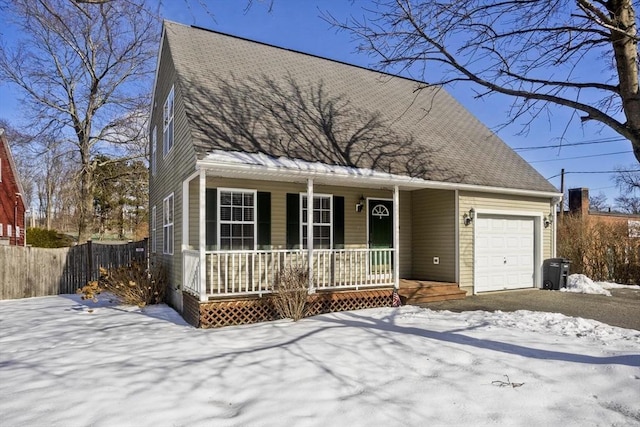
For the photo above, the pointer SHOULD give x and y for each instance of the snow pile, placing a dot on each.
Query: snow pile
(581, 284)
(63, 365)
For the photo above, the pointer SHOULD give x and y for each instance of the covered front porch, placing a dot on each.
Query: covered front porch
(241, 234)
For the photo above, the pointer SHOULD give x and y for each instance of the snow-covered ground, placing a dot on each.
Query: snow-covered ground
(580, 283)
(62, 364)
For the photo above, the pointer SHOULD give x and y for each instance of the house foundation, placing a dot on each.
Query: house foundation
(254, 309)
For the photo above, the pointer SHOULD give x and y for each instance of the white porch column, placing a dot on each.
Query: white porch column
(310, 232)
(202, 236)
(396, 237)
(185, 214)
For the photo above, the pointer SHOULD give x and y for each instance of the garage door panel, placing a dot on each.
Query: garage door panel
(504, 252)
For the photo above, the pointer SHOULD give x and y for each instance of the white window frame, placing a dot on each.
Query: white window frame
(9, 230)
(154, 237)
(168, 213)
(303, 224)
(220, 221)
(168, 109)
(1, 228)
(154, 145)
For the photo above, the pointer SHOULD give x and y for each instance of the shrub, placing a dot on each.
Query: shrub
(600, 250)
(290, 296)
(131, 284)
(43, 238)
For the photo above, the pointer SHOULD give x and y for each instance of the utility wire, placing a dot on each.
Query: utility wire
(572, 144)
(593, 172)
(581, 157)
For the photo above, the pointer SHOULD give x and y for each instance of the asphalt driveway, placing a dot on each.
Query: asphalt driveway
(622, 309)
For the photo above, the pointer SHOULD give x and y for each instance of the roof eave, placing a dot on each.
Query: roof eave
(366, 178)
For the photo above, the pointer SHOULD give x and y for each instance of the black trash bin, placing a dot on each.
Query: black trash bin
(555, 272)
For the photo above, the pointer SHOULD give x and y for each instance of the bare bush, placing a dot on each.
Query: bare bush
(601, 250)
(132, 284)
(290, 296)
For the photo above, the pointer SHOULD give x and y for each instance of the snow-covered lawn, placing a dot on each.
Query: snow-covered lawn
(62, 365)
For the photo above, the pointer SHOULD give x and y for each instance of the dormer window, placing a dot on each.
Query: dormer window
(167, 114)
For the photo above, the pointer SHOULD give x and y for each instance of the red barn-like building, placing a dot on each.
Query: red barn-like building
(12, 207)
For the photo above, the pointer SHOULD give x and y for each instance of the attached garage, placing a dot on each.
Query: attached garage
(505, 252)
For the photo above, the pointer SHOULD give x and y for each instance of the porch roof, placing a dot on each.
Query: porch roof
(242, 165)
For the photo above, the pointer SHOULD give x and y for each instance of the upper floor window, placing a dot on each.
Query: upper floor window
(154, 144)
(237, 219)
(322, 220)
(167, 114)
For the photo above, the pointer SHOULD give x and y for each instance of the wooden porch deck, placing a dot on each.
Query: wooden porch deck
(423, 291)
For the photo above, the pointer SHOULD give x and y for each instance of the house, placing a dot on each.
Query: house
(12, 206)
(579, 206)
(403, 185)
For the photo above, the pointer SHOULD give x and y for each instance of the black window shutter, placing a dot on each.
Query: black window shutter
(338, 222)
(293, 221)
(263, 206)
(211, 215)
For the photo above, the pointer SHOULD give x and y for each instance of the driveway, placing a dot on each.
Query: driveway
(622, 309)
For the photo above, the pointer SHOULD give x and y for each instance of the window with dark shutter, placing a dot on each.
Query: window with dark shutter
(263, 200)
(211, 213)
(293, 221)
(338, 222)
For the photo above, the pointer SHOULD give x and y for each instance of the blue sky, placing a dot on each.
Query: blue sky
(297, 25)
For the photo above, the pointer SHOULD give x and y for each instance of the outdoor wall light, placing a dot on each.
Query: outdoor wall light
(360, 204)
(547, 221)
(468, 217)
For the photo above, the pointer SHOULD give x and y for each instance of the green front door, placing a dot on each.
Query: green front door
(380, 234)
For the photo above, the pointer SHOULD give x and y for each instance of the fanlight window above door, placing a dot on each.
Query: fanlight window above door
(380, 211)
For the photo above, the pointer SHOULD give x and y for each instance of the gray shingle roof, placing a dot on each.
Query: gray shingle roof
(242, 95)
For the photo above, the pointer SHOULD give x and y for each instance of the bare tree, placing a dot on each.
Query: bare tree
(580, 54)
(628, 204)
(598, 203)
(83, 67)
(627, 180)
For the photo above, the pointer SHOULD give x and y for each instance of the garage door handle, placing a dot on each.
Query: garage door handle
(505, 260)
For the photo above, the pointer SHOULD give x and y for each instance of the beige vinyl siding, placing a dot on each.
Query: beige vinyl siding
(434, 235)
(406, 233)
(496, 202)
(175, 167)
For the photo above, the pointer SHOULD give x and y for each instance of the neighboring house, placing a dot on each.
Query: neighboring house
(12, 207)
(579, 205)
(405, 184)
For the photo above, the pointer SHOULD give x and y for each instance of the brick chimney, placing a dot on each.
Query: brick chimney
(579, 201)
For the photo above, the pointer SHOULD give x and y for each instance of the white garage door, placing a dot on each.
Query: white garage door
(504, 253)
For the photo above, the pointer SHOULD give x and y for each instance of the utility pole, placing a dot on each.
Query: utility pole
(562, 191)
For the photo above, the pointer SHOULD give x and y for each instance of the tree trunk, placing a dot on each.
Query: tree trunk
(85, 214)
(626, 56)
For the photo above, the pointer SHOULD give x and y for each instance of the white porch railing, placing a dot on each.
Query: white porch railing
(191, 271)
(255, 272)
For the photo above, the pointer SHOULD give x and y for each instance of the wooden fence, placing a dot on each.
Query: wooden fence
(34, 272)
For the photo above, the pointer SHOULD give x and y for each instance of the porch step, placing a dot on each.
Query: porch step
(421, 291)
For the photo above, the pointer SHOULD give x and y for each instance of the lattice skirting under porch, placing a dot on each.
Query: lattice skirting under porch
(239, 311)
